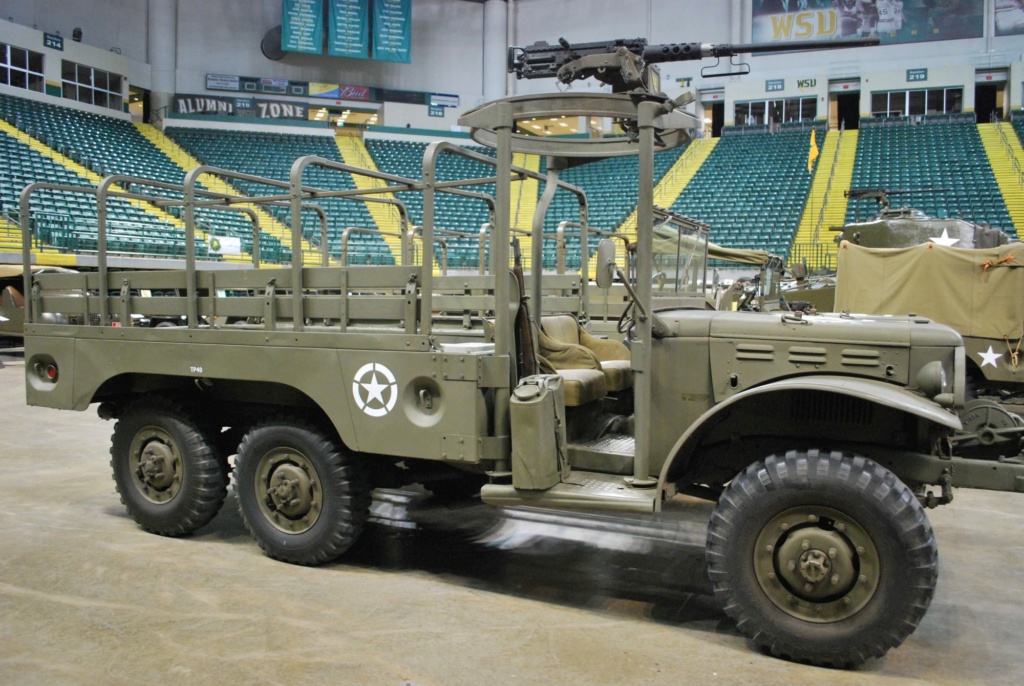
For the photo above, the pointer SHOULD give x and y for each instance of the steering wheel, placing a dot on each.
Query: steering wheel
(626, 318)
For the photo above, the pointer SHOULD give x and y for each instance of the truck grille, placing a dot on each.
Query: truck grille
(817, 406)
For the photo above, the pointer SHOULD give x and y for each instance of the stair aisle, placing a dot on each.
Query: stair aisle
(812, 239)
(386, 217)
(1002, 156)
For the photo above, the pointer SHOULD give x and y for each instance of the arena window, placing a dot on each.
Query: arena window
(92, 86)
(917, 102)
(788, 110)
(21, 68)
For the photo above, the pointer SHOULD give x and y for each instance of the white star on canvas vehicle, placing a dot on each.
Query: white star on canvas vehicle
(991, 357)
(944, 239)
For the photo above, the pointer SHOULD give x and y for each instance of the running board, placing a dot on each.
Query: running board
(580, 491)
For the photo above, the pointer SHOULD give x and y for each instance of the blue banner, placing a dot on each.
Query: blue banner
(302, 26)
(392, 30)
(348, 28)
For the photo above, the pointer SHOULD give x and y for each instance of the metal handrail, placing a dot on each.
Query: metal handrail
(828, 188)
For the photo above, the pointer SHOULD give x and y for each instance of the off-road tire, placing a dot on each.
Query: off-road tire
(303, 496)
(165, 467)
(760, 525)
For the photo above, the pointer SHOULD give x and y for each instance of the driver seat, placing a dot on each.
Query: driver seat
(568, 349)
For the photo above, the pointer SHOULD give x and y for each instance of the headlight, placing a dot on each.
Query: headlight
(931, 379)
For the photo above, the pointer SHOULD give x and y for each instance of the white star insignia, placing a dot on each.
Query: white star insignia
(4, 319)
(944, 239)
(375, 390)
(990, 357)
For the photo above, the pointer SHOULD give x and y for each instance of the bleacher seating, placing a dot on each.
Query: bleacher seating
(107, 145)
(67, 220)
(452, 212)
(611, 187)
(947, 159)
(752, 189)
(271, 155)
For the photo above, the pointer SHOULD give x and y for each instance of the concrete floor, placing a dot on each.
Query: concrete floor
(432, 595)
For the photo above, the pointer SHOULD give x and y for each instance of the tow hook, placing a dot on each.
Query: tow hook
(930, 500)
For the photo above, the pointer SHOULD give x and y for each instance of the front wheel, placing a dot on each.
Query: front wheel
(822, 557)
(303, 497)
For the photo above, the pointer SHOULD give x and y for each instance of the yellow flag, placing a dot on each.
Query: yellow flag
(813, 154)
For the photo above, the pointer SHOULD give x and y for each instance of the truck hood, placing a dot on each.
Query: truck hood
(834, 328)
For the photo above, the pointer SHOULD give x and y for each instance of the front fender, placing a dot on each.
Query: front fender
(880, 393)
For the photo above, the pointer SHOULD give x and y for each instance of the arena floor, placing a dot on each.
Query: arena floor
(433, 595)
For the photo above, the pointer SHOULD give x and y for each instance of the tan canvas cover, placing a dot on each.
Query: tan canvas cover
(740, 255)
(667, 242)
(948, 285)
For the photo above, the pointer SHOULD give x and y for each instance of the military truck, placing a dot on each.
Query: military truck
(820, 438)
(888, 265)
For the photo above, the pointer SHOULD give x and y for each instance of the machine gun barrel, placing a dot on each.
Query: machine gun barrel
(625, 63)
(682, 52)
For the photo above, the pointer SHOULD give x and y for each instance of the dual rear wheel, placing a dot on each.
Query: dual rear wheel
(302, 496)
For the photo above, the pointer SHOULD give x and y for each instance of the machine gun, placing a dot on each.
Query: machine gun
(881, 195)
(627, 64)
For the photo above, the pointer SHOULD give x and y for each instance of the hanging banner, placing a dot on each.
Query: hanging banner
(892, 21)
(302, 26)
(225, 245)
(392, 30)
(333, 91)
(348, 28)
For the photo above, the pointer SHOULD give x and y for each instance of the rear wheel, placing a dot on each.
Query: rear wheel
(822, 557)
(303, 497)
(166, 468)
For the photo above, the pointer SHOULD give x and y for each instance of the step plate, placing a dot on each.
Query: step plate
(580, 491)
(610, 454)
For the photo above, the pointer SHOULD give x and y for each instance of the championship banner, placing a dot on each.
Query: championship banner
(892, 21)
(392, 30)
(348, 28)
(302, 26)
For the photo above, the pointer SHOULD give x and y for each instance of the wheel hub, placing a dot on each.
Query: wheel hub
(816, 564)
(290, 491)
(156, 466)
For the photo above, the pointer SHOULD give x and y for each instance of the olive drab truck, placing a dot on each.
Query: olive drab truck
(821, 439)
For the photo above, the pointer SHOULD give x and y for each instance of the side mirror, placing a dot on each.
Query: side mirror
(605, 263)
